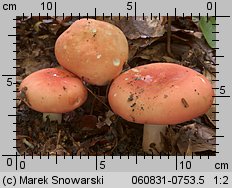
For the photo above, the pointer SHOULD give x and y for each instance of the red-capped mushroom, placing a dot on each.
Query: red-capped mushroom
(93, 50)
(159, 94)
(52, 91)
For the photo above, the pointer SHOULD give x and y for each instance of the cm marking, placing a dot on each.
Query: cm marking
(7, 6)
(221, 166)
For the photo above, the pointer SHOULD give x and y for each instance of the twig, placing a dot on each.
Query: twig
(28, 143)
(58, 139)
(169, 33)
(98, 98)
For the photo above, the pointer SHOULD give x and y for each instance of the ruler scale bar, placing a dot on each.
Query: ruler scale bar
(138, 161)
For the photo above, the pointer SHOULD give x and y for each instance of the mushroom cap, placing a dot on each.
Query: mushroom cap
(160, 93)
(52, 90)
(93, 50)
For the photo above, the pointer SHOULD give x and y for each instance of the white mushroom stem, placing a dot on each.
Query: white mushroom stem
(52, 117)
(151, 135)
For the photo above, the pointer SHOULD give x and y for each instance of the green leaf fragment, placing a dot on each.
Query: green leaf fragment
(208, 29)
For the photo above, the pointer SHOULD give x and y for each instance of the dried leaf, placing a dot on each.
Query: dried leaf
(88, 122)
(139, 28)
(197, 138)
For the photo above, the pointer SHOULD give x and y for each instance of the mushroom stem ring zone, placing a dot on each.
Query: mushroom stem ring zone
(160, 94)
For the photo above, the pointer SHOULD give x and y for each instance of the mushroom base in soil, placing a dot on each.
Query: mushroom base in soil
(160, 94)
(152, 137)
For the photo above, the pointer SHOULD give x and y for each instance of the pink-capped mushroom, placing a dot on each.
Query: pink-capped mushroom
(52, 91)
(93, 50)
(157, 95)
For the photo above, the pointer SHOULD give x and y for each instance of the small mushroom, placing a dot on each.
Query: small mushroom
(159, 94)
(93, 50)
(52, 91)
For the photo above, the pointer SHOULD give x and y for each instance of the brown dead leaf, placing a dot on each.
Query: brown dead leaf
(88, 122)
(139, 28)
(169, 143)
(153, 52)
(31, 65)
(197, 138)
(137, 45)
(185, 23)
(142, 28)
